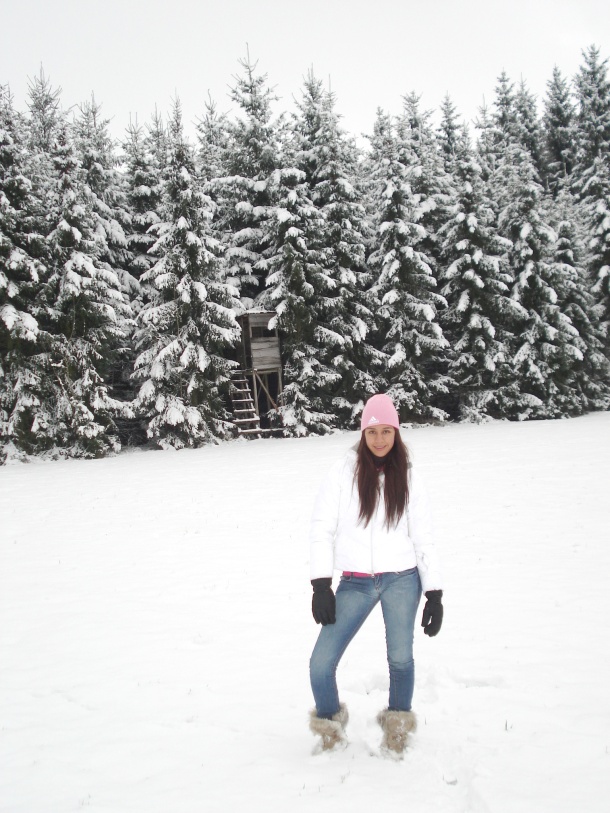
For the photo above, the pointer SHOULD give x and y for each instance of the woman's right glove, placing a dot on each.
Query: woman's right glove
(323, 601)
(432, 617)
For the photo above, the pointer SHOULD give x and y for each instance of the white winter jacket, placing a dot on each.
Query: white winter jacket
(339, 541)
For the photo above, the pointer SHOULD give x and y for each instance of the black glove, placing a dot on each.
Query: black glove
(432, 619)
(323, 601)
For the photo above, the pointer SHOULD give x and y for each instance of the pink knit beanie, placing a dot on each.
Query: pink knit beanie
(379, 409)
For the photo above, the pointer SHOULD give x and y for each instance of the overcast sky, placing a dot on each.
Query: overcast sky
(135, 54)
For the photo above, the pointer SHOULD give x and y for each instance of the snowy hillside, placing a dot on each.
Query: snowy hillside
(155, 632)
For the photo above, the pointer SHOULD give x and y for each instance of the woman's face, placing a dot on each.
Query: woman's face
(380, 439)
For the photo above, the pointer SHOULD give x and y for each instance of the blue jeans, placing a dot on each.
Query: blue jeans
(399, 594)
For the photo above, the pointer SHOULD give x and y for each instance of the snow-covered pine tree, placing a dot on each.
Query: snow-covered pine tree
(504, 115)
(85, 310)
(214, 137)
(329, 160)
(450, 135)
(590, 376)
(43, 124)
(591, 175)
(559, 133)
(547, 345)
(185, 331)
(409, 331)
(97, 155)
(597, 199)
(298, 282)
(143, 188)
(529, 128)
(21, 277)
(107, 187)
(158, 143)
(476, 284)
(46, 115)
(243, 195)
(593, 111)
(144, 191)
(429, 182)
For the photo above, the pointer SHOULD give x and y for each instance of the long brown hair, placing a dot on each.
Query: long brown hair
(396, 487)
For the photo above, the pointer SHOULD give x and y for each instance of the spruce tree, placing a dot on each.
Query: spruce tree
(298, 283)
(46, 115)
(429, 181)
(559, 132)
(593, 110)
(504, 116)
(476, 284)
(107, 189)
(546, 344)
(85, 310)
(97, 155)
(590, 375)
(244, 193)
(143, 196)
(529, 128)
(450, 135)
(597, 192)
(214, 137)
(591, 176)
(329, 160)
(185, 331)
(410, 335)
(21, 277)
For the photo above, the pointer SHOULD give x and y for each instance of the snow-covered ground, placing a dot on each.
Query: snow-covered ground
(155, 632)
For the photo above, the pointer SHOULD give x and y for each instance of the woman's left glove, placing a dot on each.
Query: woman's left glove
(323, 601)
(432, 619)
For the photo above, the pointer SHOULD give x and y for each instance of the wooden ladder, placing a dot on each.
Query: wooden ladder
(244, 414)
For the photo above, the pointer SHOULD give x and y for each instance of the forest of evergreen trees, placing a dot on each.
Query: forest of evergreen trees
(465, 273)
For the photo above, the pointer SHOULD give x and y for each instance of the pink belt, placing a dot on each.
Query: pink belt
(360, 575)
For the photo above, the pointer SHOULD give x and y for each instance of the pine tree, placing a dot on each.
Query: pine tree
(547, 344)
(214, 137)
(411, 336)
(143, 198)
(244, 194)
(329, 161)
(96, 151)
(158, 144)
(46, 119)
(21, 277)
(559, 134)
(593, 113)
(429, 181)
(107, 188)
(590, 376)
(85, 310)
(449, 135)
(46, 115)
(597, 192)
(529, 129)
(185, 332)
(591, 176)
(298, 282)
(504, 116)
(477, 288)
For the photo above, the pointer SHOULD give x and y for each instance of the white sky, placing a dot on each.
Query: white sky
(135, 54)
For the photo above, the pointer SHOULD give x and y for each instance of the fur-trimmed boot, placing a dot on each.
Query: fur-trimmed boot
(396, 726)
(332, 731)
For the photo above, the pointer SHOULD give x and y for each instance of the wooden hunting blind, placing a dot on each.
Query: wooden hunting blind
(259, 382)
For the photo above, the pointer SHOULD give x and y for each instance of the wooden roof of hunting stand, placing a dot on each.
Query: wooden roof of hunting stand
(259, 382)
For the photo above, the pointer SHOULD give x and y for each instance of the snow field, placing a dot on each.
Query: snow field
(155, 632)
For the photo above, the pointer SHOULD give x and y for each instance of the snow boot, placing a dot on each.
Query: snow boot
(332, 731)
(396, 726)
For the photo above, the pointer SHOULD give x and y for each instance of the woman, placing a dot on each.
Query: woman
(370, 521)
